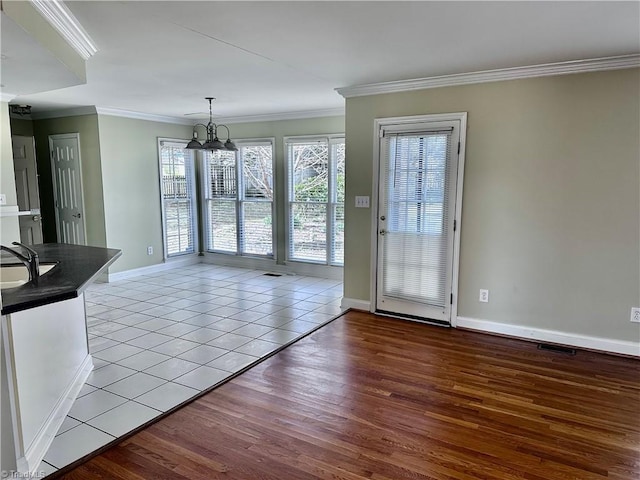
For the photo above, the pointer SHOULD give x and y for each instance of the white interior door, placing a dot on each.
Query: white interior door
(67, 178)
(416, 219)
(26, 173)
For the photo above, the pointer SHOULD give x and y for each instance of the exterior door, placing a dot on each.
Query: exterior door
(416, 219)
(67, 179)
(26, 173)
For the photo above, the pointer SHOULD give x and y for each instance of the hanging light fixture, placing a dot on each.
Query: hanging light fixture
(212, 142)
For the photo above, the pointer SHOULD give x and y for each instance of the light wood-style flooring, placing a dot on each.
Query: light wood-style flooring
(369, 397)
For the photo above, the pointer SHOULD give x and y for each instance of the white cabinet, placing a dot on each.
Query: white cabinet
(47, 359)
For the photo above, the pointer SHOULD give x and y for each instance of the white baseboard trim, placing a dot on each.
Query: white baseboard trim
(43, 439)
(355, 303)
(270, 265)
(159, 267)
(564, 338)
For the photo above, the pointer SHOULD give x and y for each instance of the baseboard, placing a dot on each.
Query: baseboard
(41, 443)
(159, 267)
(355, 304)
(552, 336)
(270, 265)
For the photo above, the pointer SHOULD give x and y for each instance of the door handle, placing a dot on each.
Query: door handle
(77, 215)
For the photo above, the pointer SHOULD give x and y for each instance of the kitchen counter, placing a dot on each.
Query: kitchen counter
(77, 267)
(45, 348)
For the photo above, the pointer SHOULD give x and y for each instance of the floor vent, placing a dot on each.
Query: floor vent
(556, 348)
(272, 275)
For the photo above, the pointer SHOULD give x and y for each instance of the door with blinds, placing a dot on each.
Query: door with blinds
(416, 219)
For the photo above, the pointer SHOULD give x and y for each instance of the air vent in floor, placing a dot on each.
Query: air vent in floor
(556, 348)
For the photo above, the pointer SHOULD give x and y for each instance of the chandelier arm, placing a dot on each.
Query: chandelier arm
(228, 131)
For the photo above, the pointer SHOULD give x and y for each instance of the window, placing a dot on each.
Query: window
(316, 199)
(178, 198)
(239, 199)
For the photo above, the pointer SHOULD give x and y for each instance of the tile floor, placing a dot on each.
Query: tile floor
(158, 340)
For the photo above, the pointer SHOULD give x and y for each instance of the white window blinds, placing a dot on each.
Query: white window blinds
(239, 199)
(316, 168)
(418, 215)
(178, 198)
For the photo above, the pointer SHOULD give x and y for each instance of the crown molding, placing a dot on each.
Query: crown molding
(60, 17)
(514, 73)
(271, 117)
(66, 112)
(115, 112)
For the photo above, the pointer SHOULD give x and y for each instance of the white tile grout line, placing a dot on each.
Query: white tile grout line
(253, 283)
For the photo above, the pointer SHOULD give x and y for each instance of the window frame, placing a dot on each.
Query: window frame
(240, 200)
(330, 204)
(195, 226)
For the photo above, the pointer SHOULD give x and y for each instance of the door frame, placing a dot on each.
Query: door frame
(54, 181)
(378, 123)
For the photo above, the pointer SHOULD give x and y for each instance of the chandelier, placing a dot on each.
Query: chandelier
(213, 142)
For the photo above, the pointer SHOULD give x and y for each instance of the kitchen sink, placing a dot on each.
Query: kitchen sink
(15, 275)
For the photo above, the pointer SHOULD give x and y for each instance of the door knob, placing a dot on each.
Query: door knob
(383, 218)
(36, 218)
(382, 232)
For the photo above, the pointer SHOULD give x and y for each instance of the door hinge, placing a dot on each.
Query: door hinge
(455, 224)
(451, 299)
(458, 148)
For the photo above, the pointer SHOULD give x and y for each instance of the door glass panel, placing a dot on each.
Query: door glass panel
(415, 242)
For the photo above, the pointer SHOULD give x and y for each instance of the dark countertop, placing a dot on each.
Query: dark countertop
(77, 267)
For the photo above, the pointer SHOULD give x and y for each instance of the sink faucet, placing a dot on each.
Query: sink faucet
(30, 260)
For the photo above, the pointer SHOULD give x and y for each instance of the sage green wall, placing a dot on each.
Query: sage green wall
(551, 209)
(87, 127)
(278, 130)
(131, 185)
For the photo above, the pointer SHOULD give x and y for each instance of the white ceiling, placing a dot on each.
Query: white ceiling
(266, 57)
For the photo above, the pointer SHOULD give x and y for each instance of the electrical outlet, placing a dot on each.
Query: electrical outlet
(3, 199)
(635, 315)
(484, 296)
(149, 250)
(362, 202)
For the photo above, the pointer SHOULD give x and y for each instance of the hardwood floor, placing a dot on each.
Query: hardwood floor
(384, 399)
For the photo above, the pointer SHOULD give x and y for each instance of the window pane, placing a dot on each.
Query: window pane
(257, 169)
(178, 227)
(221, 175)
(177, 197)
(338, 154)
(310, 169)
(257, 228)
(337, 256)
(222, 225)
(309, 231)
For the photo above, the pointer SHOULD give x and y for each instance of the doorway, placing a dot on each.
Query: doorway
(67, 187)
(26, 175)
(419, 201)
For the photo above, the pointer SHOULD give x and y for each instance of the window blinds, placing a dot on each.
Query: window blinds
(177, 173)
(416, 205)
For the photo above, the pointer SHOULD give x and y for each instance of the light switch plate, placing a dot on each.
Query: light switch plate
(362, 202)
(484, 296)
